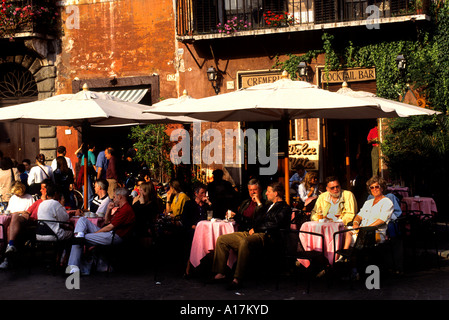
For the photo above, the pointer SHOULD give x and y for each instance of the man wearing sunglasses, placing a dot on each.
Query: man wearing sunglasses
(335, 203)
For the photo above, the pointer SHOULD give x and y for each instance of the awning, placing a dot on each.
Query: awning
(131, 95)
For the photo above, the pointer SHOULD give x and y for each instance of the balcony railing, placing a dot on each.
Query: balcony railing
(196, 17)
(28, 16)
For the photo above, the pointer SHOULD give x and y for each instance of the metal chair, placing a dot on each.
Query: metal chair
(419, 231)
(362, 249)
(45, 238)
(292, 250)
(111, 250)
(3, 240)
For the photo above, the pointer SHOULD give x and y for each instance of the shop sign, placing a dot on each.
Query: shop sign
(304, 152)
(250, 79)
(349, 75)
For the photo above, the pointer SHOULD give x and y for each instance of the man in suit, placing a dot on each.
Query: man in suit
(249, 207)
(274, 216)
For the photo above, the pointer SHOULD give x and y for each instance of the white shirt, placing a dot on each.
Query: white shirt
(381, 210)
(17, 204)
(37, 174)
(302, 192)
(54, 164)
(53, 210)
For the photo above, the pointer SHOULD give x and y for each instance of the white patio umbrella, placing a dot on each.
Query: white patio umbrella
(281, 100)
(172, 101)
(402, 109)
(94, 108)
(84, 109)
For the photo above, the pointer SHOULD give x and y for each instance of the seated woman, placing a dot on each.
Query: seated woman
(176, 200)
(20, 200)
(308, 190)
(375, 212)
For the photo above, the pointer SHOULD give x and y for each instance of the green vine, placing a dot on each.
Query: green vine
(416, 149)
(291, 64)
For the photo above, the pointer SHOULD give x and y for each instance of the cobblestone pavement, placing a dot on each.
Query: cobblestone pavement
(422, 280)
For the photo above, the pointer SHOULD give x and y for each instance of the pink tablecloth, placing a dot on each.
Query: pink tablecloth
(205, 237)
(97, 221)
(403, 191)
(4, 220)
(425, 204)
(310, 242)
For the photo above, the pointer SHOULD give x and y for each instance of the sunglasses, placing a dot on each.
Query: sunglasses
(334, 187)
(374, 187)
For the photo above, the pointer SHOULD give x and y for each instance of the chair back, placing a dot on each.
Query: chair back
(46, 232)
(366, 238)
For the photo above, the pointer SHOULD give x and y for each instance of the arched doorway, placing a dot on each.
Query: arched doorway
(17, 85)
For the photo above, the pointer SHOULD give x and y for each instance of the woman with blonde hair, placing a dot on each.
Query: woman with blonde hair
(8, 174)
(308, 190)
(20, 200)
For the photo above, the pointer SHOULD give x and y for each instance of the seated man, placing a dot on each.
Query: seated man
(269, 220)
(196, 209)
(101, 200)
(249, 207)
(52, 209)
(297, 178)
(120, 222)
(335, 203)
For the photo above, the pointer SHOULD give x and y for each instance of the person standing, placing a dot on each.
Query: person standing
(373, 140)
(8, 175)
(102, 165)
(38, 173)
(111, 171)
(61, 151)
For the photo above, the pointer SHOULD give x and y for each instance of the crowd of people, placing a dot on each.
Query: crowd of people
(133, 206)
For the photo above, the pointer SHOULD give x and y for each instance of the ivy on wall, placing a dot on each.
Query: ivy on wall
(416, 149)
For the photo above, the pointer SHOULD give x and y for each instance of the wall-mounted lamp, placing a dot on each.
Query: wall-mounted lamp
(213, 77)
(302, 69)
(400, 60)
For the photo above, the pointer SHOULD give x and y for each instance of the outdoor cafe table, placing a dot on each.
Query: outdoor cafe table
(310, 242)
(425, 204)
(205, 237)
(98, 221)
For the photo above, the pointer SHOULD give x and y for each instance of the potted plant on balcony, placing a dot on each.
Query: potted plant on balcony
(233, 25)
(15, 17)
(419, 6)
(276, 20)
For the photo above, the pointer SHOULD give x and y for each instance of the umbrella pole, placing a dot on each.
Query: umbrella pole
(86, 189)
(85, 150)
(287, 178)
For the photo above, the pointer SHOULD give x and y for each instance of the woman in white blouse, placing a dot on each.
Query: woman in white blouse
(375, 212)
(20, 201)
(309, 187)
(39, 173)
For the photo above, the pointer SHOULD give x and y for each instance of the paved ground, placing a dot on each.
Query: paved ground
(423, 280)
